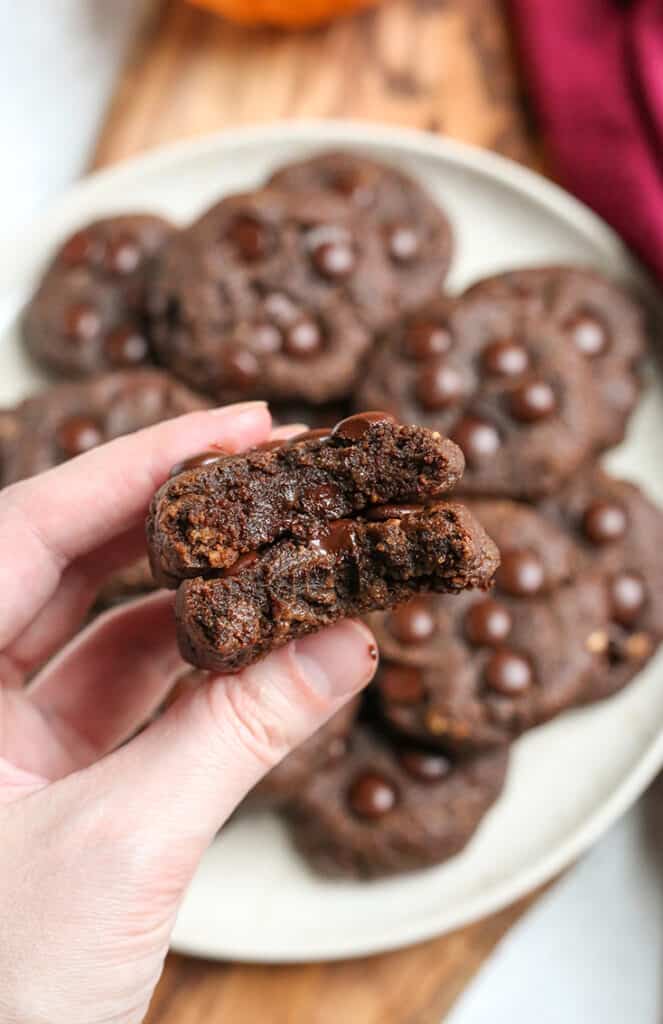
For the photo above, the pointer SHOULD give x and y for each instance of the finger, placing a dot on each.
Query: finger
(185, 774)
(110, 679)
(50, 520)
(79, 587)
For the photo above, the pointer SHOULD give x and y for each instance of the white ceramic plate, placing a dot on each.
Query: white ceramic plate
(253, 899)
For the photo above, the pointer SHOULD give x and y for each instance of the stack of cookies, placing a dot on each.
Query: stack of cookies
(324, 293)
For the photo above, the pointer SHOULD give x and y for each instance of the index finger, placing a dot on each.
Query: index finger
(50, 520)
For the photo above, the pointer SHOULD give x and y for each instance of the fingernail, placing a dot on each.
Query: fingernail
(238, 409)
(339, 660)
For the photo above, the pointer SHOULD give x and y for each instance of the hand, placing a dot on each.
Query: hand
(100, 840)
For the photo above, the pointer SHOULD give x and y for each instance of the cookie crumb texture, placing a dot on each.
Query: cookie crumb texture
(209, 515)
(286, 539)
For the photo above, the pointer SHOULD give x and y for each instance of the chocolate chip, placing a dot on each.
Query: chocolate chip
(413, 623)
(202, 459)
(439, 385)
(265, 338)
(521, 573)
(478, 438)
(280, 308)
(372, 796)
(78, 434)
(241, 369)
(508, 673)
(403, 243)
(270, 446)
(319, 434)
(349, 183)
(380, 513)
(334, 259)
(425, 338)
(589, 334)
(628, 595)
(401, 684)
(339, 537)
(122, 255)
(505, 359)
(126, 346)
(82, 322)
(250, 238)
(604, 522)
(488, 623)
(303, 339)
(424, 766)
(532, 401)
(82, 249)
(355, 427)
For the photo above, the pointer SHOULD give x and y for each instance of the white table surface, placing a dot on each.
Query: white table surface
(591, 950)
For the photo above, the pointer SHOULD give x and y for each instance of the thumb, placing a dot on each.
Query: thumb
(183, 777)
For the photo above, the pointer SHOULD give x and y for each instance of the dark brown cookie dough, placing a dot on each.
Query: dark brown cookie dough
(271, 295)
(67, 419)
(475, 671)
(88, 313)
(386, 808)
(600, 319)
(620, 532)
(321, 751)
(514, 395)
(415, 234)
(208, 515)
(342, 569)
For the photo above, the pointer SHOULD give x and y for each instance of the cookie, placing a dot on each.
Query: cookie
(385, 808)
(342, 570)
(620, 532)
(476, 671)
(68, 419)
(599, 318)
(512, 393)
(322, 750)
(217, 507)
(271, 295)
(292, 536)
(88, 312)
(415, 233)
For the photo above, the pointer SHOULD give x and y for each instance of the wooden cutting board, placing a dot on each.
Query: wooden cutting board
(443, 65)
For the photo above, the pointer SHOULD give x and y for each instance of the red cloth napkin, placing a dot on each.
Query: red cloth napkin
(595, 72)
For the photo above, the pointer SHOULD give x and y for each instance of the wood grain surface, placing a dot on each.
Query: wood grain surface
(442, 65)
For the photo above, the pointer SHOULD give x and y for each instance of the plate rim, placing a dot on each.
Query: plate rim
(413, 143)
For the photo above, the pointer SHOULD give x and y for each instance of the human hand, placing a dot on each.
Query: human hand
(99, 841)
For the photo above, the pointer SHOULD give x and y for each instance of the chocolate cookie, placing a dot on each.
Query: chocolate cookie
(68, 419)
(415, 234)
(620, 532)
(514, 395)
(88, 313)
(475, 671)
(319, 752)
(292, 536)
(601, 320)
(270, 295)
(217, 507)
(384, 808)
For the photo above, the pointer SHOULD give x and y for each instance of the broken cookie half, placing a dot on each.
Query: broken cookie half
(287, 538)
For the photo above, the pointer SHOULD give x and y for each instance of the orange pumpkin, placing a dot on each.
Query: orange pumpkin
(288, 13)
